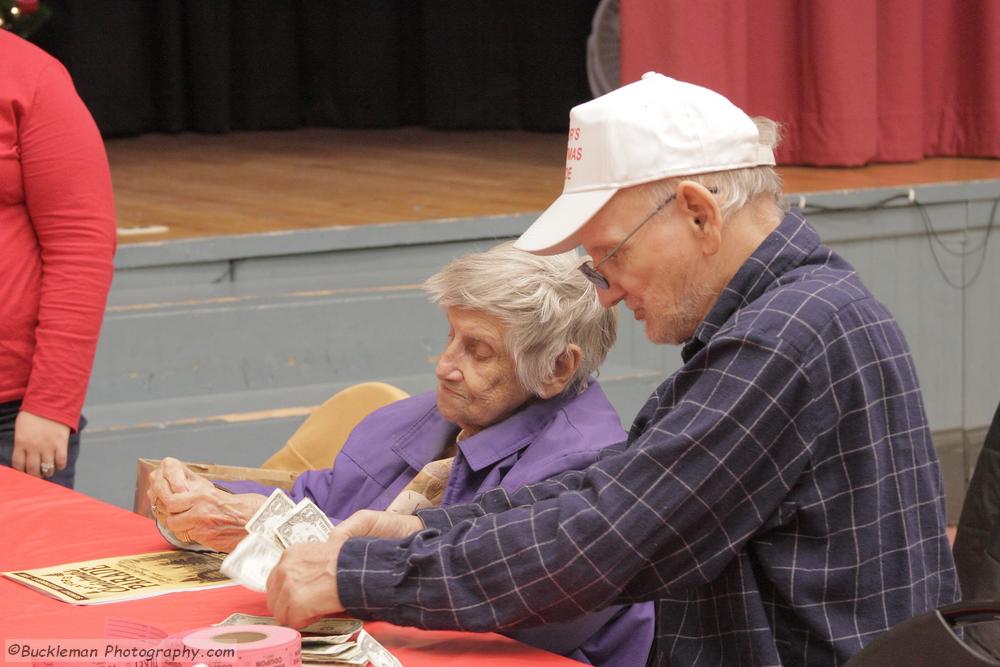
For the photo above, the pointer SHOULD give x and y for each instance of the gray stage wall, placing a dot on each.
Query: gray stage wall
(213, 349)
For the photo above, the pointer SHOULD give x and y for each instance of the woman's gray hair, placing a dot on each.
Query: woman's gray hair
(546, 303)
(736, 187)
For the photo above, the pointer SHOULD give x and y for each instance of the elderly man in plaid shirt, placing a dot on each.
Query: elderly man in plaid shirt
(778, 496)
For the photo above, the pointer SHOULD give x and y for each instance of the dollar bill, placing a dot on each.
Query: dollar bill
(355, 659)
(329, 628)
(325, 640)
(354, 656)
(270, 514)
(307, 523)
(333, 626)
(247, 619)
(377, 654)
(251, 561)
(276, 525)
(346, 648)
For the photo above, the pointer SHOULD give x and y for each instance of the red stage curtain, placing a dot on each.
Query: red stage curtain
(852, 81)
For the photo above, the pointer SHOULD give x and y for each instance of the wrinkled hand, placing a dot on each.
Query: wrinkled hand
(215, 519)
(38, 440)
(195, 510)
(389, 525)
(170, 478)
(303, 585)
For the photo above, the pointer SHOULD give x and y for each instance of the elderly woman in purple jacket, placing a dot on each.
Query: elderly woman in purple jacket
(515, 403)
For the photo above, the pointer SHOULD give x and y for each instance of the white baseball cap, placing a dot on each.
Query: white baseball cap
(652, 129)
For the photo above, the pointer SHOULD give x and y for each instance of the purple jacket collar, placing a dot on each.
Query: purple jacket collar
(422, 442)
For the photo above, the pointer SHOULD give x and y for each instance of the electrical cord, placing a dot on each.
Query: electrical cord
(882, 203)
(933, 235)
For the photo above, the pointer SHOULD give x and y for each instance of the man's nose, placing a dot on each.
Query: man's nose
(611, 296)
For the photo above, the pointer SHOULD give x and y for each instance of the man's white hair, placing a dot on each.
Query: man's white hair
(736, 187)
(545, 302)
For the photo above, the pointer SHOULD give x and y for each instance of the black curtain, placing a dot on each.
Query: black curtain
(222, 65)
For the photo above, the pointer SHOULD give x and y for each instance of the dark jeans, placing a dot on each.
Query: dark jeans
(8, 413)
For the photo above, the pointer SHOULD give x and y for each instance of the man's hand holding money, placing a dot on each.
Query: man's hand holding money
(303, 585)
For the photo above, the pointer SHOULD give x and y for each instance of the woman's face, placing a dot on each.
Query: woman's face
(477, 385)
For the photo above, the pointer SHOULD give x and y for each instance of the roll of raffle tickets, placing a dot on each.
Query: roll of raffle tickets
(243, 646)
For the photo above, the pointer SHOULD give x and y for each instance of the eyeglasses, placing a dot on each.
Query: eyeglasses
(590, 270)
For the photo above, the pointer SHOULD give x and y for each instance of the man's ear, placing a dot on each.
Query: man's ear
(701, 211)
(563, 373)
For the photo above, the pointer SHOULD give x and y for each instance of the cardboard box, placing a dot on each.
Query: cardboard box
(280, 478)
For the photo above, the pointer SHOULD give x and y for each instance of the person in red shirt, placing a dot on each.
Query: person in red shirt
(57, 242)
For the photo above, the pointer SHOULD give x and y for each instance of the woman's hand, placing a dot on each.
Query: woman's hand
(39, 445)
(195, 510)
(213, 518)
(169, 479)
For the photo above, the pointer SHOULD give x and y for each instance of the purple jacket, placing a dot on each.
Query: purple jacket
(387, 449)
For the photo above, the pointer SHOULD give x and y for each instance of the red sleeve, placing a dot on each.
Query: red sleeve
(67, 187)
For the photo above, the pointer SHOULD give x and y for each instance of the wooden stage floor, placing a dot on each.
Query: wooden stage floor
(190, 185)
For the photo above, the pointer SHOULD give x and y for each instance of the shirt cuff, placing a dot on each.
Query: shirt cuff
(368, 571)
(243, 486)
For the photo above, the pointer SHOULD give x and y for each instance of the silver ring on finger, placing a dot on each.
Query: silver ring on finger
(47, 468)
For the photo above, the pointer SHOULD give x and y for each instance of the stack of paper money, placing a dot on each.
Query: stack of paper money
(329, 641)
(278, 524)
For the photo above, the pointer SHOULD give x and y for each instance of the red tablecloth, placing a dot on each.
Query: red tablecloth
(42, 524)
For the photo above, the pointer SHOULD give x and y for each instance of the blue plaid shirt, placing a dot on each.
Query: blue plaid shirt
(778, 496)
